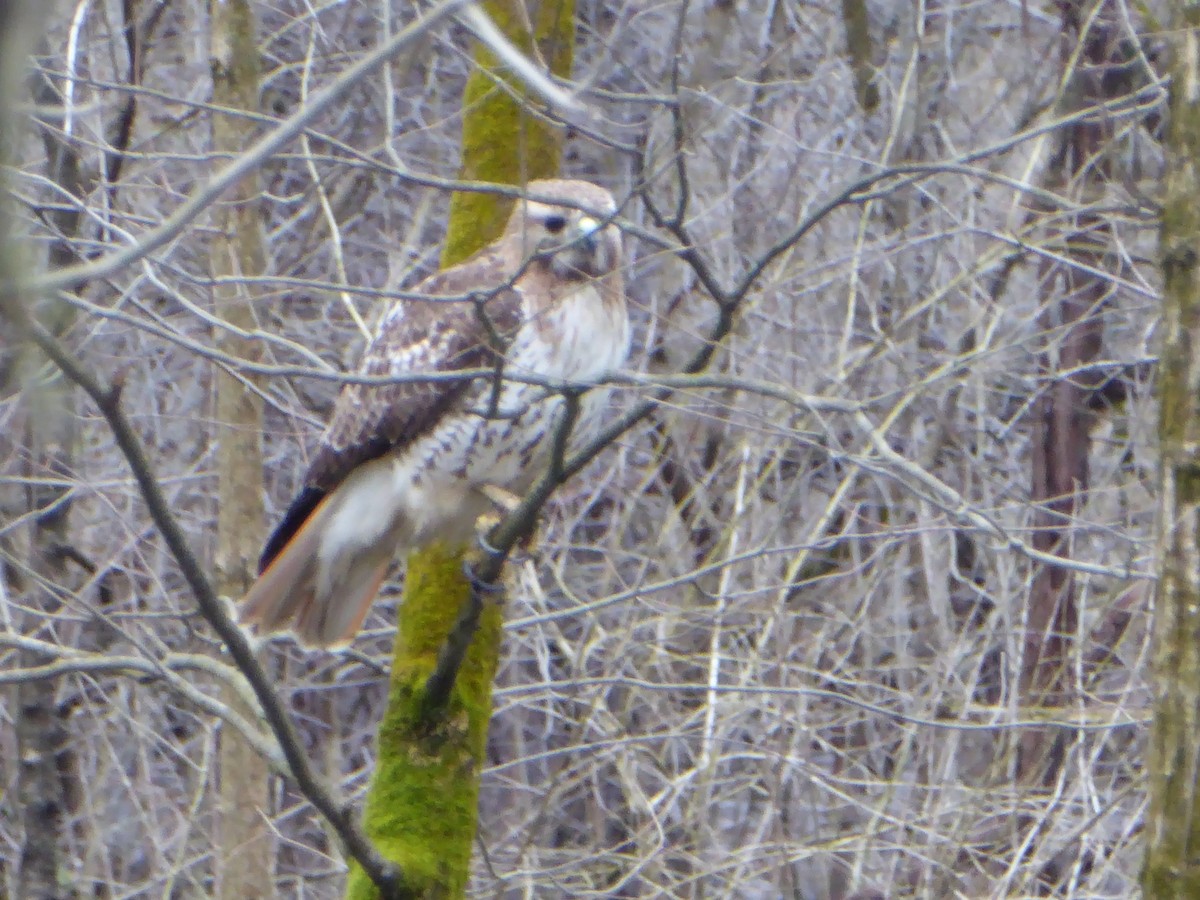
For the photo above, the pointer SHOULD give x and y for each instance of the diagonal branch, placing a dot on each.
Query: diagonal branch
(384, 874)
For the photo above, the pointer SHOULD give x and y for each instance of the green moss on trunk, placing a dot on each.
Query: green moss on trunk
(421, 809)
(501, 142)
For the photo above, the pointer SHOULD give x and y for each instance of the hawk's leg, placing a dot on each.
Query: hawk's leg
(504, 502)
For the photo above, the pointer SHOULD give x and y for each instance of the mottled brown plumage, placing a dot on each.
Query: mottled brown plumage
(401, 465)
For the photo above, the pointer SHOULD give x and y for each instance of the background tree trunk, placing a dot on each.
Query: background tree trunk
(238, 249)
(1172, 865)
(1074, 296)
(46, 580)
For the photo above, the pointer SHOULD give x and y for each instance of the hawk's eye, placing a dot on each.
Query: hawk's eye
(555, 224)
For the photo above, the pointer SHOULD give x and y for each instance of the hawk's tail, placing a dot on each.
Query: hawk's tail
(324, 601)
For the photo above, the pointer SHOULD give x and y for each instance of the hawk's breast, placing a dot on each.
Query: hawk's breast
(503, 431)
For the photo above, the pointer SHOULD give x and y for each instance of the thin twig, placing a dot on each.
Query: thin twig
(484, 577)
(518, 63)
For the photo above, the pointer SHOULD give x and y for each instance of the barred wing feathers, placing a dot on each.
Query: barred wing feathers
(299, 579)
(417, 336)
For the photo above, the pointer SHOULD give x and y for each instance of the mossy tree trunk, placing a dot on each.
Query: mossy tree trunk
(422, 808)
(1172, 865)
(501, 142)
(243, 854)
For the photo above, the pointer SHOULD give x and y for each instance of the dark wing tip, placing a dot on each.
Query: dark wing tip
(302, 507)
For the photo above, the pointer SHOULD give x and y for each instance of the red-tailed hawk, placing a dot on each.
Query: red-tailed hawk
(403, 465)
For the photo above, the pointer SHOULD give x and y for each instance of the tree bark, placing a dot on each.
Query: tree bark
(244, 853)
(1073, 301)
(1172, 863)
(422, 808)
(501, 142)
(856, 19)
(44, 756)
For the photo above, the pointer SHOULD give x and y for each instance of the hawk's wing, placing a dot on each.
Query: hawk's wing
(417, 336)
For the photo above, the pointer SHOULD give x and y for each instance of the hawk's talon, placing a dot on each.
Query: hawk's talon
(481, 539)
(478, 585)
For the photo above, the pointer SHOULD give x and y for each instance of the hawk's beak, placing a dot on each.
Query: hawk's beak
(587, 233)
(582, 250)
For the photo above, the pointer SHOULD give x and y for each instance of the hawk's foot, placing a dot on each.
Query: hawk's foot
(480, 587)
(502, 498)
(484, 526)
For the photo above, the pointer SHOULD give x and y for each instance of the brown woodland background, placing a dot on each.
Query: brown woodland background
(861, 611)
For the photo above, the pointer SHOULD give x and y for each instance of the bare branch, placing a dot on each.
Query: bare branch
(107, 400)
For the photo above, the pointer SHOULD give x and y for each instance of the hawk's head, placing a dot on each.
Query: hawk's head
(573, 243)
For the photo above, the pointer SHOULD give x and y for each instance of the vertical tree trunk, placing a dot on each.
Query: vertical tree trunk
(501, 143)
(43, 745)
(1172, 865)
(244, 854)
(856, 20)
(422, 808)
(1073, 300)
